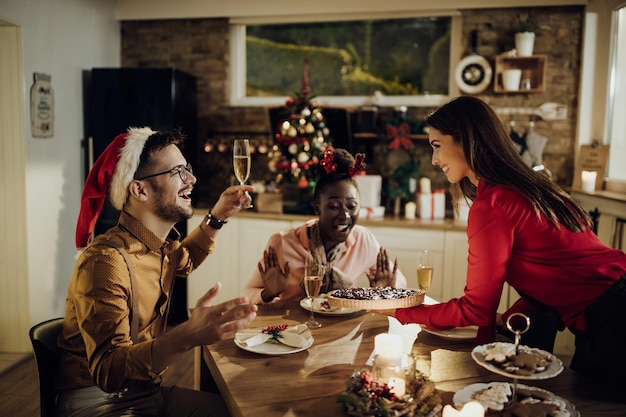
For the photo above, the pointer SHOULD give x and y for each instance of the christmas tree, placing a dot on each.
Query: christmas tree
(301, 136)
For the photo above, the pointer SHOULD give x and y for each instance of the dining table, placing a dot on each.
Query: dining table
(309, 382)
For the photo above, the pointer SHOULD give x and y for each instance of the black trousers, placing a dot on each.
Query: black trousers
(137, 402)
(601, 348)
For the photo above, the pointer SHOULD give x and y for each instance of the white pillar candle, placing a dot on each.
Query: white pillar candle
(409, 210)
(589, 181)
(426, 205)
(389, 346)
(439, 204)
(424, 185)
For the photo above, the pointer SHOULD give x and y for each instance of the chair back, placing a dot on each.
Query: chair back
(43, 336)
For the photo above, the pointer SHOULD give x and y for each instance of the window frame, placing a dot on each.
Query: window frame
(237, 80)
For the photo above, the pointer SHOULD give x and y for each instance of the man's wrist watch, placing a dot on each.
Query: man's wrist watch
(214, 223)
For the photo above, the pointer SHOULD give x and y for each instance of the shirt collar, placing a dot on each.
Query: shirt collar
(145, 235)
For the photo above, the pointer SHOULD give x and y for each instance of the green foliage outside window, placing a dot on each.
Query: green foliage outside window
(396, 57)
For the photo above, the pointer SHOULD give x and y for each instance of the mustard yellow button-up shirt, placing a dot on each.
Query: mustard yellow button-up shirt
(96, 342)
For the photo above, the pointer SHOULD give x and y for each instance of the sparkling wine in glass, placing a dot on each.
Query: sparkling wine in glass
(313, 275)
(241, 161)
(424, 270)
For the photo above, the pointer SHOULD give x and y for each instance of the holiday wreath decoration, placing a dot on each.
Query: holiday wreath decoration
(401, 164)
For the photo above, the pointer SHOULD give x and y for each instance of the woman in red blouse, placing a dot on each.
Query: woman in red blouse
(526, 231)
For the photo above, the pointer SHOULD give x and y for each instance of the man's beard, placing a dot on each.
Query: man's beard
(171, 212)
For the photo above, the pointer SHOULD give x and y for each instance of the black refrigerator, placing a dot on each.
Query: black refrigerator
(118, 98)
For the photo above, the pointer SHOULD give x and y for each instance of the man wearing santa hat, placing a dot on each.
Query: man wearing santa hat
(114, 345)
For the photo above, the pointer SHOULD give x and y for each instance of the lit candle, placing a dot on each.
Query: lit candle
(589, 181)
(470, 409)
(397, 386)
(387, 364)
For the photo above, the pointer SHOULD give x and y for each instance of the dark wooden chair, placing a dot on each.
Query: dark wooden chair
(618, 233)
(43, 337)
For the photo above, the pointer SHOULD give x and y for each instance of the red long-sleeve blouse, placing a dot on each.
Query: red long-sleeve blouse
(550, 266)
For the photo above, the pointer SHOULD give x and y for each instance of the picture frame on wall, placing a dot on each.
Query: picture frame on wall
(41, 106)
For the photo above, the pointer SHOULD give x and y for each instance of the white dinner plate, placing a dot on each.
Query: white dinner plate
(554, 368)
(305, 303)
(469, 392)
(459, 333)
(270, 348)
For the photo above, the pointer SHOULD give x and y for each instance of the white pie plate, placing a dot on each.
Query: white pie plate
(555, 367)
(270, 348)
(305, 303)
(467, 394)
(459, 333)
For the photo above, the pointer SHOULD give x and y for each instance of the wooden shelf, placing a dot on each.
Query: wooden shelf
(533, 68)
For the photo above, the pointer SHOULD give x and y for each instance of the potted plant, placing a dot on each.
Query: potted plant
(525, 36)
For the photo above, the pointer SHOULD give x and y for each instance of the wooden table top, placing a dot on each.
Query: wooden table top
(308, 383)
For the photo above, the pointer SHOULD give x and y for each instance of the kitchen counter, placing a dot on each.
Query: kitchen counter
(387, 221)
(603, 194)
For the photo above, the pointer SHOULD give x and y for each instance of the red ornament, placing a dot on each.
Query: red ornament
(303, 183)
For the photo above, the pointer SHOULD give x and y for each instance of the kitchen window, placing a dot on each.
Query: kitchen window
(617, 97)
(381, 60)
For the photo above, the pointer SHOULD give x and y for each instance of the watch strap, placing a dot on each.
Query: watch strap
(214, 223)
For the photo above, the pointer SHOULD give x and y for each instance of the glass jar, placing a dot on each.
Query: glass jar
(389, 370)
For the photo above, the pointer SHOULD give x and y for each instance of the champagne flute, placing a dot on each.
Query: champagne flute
(313, 275)
(241, 162)
(424, 270)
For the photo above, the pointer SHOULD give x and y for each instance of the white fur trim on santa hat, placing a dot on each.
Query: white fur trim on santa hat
(127, 164)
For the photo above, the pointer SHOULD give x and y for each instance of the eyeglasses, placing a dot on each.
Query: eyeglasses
(181, 170)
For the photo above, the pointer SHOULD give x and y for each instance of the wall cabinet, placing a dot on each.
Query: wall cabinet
(404, 244)
(219, 266)
(239, 247)
(533, 69)
(611, 210)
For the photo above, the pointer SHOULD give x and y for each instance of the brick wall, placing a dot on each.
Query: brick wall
(201, 48)
(560, 38)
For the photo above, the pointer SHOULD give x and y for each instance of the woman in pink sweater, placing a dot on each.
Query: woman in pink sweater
(333, 239)
(526, 231)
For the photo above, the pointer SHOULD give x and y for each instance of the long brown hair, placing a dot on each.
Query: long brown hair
(490, 153)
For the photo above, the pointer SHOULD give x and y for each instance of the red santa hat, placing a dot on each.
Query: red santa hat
(110, 175)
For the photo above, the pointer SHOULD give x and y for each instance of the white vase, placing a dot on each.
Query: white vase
(524, 43)
(511, 79)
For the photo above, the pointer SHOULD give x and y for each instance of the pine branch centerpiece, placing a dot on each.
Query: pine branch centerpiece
(366, 398)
